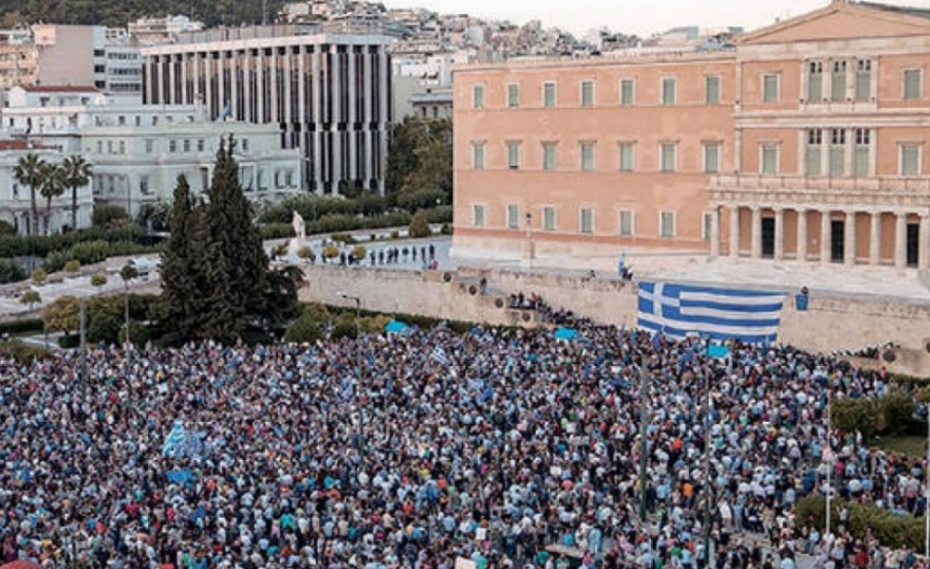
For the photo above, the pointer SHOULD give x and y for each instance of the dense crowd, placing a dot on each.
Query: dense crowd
(509, 443)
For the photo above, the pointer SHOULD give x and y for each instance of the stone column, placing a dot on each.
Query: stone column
(779, 234)
(900, 241)
(715, 232)
(802, 235)
(849, 239)
(734, 231)
(825, 236)
(875, 239)
(756, 232)
(923, 242)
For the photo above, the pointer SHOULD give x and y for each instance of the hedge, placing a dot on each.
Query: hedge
(18, 327)
(890, 529)
(21, 352)
(342, 222)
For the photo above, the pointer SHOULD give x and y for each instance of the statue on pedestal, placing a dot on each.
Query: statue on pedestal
(300, 232)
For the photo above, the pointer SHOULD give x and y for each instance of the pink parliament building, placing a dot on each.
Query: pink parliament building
(807, 142)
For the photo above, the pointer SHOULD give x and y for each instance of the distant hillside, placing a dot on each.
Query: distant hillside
(117, 13)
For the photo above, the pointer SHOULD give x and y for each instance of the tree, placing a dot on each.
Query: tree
(53, 186)
(39, 276)
(420, 156)
(72, 266)
(77, 174)
(331, 251)
(127, 273)
(304, 330)
(28, 172)
(30, 298)
(359, 252)
(419, 226)
(62, 315)
(98, 279)
(181, 303)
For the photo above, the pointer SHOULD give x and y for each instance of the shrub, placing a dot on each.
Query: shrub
(139, 334)
(419, 227)
(22, 353)
(62, 314)
(851, 415)
(395, 234)
(891, 530)
(10, 272)
(30, 297)
(104, 327)
(375, 324)
(72, 266)
(304, 252)
(330, 251)
(346, 238)
(89, 252)
(69, 341)
(7, 228)
(26, 326)
(446, 229)
(335, 223)
(345, 327)
(98, 279)
(420, 199)
(316, 312)
(441, 214)
(897, 409)
(109, 215)
(277, 231)
(359, 252)
(39, 276)
(304, 330)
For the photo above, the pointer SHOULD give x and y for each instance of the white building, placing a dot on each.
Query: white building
(138, 151)
(150, 31)
(16, 199)
(329, 95)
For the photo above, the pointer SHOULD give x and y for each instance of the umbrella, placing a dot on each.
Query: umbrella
(565, 334)
(396, 327)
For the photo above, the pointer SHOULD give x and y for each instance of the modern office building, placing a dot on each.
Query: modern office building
(329, 95)
(807, 141)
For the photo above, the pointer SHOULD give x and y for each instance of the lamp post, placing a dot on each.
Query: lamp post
(530, 253)
(358, 384)
(829, 450)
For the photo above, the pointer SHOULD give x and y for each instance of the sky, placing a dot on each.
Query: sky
(642, 17)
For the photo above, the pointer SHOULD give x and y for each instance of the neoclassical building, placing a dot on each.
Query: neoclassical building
(806, 142)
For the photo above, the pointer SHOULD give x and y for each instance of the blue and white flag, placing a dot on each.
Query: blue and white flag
(439, 356)
(676, 310)
(175, 442)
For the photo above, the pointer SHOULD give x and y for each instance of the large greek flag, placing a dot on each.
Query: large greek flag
(175, 442)
(721, 314)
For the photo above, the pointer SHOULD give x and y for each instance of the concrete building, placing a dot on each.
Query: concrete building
(71, 55)
(328, 94)
(138, 151)
(16, 199)
(806, 142)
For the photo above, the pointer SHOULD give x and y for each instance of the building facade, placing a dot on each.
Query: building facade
(138, 151)
(804, 142)
(329, 95)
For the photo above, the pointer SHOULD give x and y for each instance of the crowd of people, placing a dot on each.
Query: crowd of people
(510, 443)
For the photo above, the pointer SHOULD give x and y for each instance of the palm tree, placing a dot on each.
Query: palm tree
(28, 172)
(53, 185)
(77, 175)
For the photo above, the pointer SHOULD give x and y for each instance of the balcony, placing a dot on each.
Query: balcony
(895, 192)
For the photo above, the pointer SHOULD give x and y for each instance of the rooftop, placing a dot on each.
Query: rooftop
(59, 89)
(903, 10)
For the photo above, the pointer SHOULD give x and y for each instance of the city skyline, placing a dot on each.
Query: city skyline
(626, 16)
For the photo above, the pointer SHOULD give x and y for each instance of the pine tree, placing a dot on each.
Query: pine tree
(234, 263)
(180, 306)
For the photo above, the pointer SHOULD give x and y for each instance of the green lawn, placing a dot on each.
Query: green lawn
(910, 445)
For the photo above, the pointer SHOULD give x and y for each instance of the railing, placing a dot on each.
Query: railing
(899, 185)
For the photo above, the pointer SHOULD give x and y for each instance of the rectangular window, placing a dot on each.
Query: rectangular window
(586, 150)
(707, 226)
(814, 81)
(122, 147)
(587, 220)
(667, 224)
(627, 156)
(172, 146)
(549, 95)
(912, 85)
(200, 145)
(667, 152)
(187, 145)
(587, 93)
(769, 160)
(513, 216)
(712, 90)
(669, 91)
(770, 88)
(477, 155)
(549, 218)
(862, 153)
(863, 80)
(837, 152)
(626, 223)
(477, 215)
(549, 155)
(838, 81)
(149, 146)
(711, 157)
(513, 95)
(143, 185)
(812, 152)
(245, 144)
(627, 92)
(477, 96)
(513, 155)
(910, 160)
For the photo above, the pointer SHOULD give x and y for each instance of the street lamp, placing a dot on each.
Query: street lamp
(358, 384)
(529, 240)
(829, 450)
